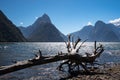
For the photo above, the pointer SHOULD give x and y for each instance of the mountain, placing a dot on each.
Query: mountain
(83, 33)
(103, 32)
(8, 31)
(29, 29)
(42, 30)
(100, 32)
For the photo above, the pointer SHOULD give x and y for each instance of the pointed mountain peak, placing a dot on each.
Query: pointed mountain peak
(45, 15)
(44, 19)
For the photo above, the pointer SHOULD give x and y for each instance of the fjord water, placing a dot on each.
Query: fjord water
(10, 52)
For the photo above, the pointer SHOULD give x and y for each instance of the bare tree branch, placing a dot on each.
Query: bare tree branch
(76, 42)
(81, 45)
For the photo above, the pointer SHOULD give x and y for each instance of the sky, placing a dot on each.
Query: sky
(67, 15)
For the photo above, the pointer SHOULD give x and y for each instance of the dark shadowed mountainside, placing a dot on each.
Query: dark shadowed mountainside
(8, 31)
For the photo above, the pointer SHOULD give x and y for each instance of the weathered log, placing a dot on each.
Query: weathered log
(32, 62)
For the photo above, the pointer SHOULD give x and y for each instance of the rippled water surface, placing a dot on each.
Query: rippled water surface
(10, 52)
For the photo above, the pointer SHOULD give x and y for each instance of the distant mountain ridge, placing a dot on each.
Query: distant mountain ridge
(8, 31)
(42, 30)
(83, 33)
(100, 32)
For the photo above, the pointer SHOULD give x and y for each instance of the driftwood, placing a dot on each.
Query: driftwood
(78, 60)
(73, 59)
(32, 62)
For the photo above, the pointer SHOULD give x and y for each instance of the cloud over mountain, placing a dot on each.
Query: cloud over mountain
(115, 22)
(89, 23)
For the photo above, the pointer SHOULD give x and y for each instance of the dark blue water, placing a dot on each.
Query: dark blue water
(10, 52)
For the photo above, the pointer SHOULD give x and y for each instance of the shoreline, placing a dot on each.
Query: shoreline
(105, 72)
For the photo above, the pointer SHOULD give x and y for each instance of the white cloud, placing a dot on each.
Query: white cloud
(115, 22)
(89, 23)
(21, 23)
(36, 17)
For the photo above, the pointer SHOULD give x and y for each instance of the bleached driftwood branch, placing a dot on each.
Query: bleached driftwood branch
(72, 60)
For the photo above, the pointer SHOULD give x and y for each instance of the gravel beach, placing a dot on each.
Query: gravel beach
(106, 72)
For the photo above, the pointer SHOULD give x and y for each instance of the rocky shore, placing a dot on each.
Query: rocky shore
(105, 72)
